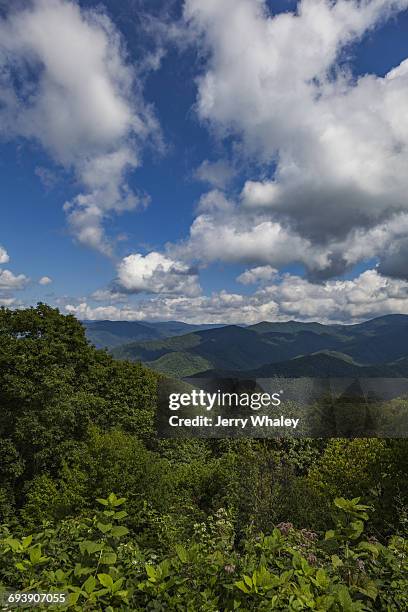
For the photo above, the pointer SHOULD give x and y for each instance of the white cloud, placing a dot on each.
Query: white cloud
(256, 275)
(7, 301)
(229, 236)
(108, 295)
(4, 257)
(214, 201)
(339, 144)
(45, 280)
(10, 281)
(289, 297)
(260, 193)
(364, 297)
(84, 312)
(80, 99)
(156, 273)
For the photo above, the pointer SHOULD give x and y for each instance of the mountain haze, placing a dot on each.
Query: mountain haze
(108, 334)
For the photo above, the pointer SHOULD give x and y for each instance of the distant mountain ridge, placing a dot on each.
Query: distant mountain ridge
(108, 334)
(378, 347)
(317, 365)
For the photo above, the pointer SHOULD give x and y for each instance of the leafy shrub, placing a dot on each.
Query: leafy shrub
(97, 561)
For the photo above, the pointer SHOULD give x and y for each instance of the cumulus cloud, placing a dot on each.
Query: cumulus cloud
(229, 236)
(66, 83)
(156, 273)
(4, 257)
(214, 201)
(289, 297)
(10, 281)
(45, 280)
(338, 144)
(260, 274)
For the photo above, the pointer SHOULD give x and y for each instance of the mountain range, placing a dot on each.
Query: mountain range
(378, 347)
(108, 334)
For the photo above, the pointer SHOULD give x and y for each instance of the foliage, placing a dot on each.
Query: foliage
(208, 523)
(98, 563)
(53, 387)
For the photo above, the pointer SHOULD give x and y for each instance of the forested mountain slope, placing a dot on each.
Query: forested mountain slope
(373, 346)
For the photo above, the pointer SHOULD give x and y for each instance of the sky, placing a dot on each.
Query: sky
(225, 161)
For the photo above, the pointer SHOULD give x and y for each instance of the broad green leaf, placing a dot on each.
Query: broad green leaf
(13, 543)
(322, 578)
(151, 572)
(370, 590)
(73, 598)
(20, 567)
(90, 547)
(344, 599)
(89, 584)
(117, 585)
(336, 561)
(248, 580)
(181, 553)
(119, 531)
(60, 575)
(368, 546)
(35, 554)
(120, 515)
(242, 586)
(106, 581)
(27, 541)
(108, 558)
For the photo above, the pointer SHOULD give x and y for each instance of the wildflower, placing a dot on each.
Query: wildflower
(309, 535)
(284, 528)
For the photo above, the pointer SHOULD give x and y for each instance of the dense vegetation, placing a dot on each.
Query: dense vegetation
(206, 525)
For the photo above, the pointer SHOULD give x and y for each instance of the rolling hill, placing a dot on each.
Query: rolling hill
(325, 364)
(109, 334)
(373, 348)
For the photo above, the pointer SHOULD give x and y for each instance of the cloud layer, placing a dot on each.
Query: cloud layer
(291, 297)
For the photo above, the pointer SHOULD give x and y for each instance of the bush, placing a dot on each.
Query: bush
(97, 561)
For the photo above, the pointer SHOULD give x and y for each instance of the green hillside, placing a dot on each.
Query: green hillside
(317, 365)
(231, 348)
(174, 363)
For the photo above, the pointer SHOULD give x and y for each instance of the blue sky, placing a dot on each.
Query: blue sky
(217, 162)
